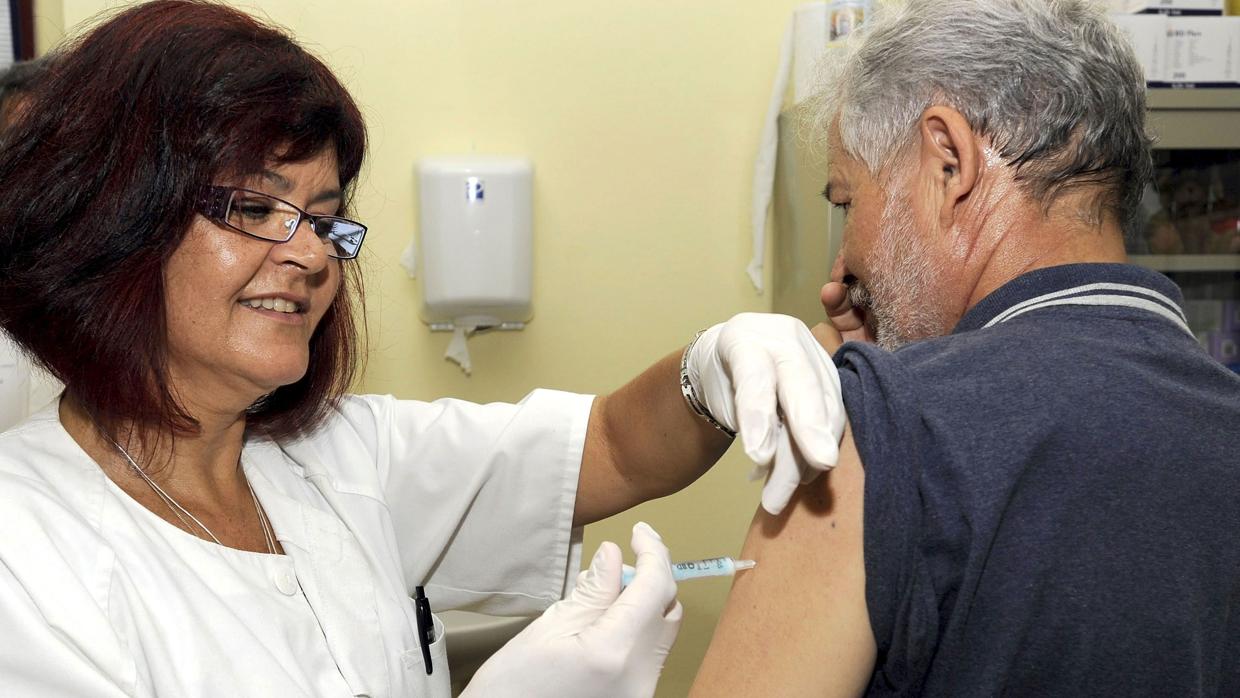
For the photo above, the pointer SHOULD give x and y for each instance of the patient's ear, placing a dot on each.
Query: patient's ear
(949, 161)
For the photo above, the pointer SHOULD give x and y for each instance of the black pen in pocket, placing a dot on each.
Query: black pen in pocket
(426, 624)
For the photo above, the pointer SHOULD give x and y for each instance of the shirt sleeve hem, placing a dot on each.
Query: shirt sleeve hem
(567, 555)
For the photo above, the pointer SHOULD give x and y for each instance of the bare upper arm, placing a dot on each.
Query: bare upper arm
(797, 624)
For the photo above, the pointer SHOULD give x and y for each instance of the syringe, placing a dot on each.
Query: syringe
(696, 569)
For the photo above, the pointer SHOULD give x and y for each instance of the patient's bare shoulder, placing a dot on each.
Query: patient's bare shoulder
(797, 624)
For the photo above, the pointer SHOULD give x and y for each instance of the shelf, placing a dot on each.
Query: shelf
(1187, 262)
(1200, 98)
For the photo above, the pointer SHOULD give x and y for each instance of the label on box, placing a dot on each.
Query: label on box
(1148, 34)
(1185, 52)
(1202, 52)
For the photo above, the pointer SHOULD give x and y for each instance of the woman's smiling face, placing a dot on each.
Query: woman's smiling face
(241, 311)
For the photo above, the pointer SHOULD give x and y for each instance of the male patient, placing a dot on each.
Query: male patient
(1040, 495)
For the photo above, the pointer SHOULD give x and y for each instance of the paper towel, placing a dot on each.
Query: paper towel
(458, 349)
(804, 41)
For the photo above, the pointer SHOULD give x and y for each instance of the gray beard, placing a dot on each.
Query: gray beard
(899, 297)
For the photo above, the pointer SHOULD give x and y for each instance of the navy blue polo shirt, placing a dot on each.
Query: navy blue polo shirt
(1052, 496)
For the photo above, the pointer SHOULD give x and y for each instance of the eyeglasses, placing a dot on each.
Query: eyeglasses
(266, 217)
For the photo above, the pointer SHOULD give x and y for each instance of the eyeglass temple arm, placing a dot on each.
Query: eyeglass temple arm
(213, 203)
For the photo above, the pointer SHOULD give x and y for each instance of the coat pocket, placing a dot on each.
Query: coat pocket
(439, 683)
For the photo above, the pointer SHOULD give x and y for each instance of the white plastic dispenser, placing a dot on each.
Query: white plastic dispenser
(476, 230)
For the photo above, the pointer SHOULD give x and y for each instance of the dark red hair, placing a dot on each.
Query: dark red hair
(98, 183)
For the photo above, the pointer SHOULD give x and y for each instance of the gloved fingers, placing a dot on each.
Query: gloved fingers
(831, 397)
(654, 565)
(837, 415)
(646, 600)
(808, 408)
(671, 628)
(599, 585)
(785, 476)
(759, 472)
(753, 374)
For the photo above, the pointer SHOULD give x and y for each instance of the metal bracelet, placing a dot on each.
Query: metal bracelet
(686, 389)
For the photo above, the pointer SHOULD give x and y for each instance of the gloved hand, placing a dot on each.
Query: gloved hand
(757, 373)
(601, 641)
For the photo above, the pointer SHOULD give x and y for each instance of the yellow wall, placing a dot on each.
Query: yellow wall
(641, 118)
(49, 24)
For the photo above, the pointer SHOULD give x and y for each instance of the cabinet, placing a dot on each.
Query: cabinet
(1190, 217)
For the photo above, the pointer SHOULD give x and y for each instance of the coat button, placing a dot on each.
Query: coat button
(286, 581)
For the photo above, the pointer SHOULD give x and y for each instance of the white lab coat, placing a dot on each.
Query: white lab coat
(100, 597)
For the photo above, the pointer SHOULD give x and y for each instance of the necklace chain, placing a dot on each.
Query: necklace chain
(268, 534)
(181, 512)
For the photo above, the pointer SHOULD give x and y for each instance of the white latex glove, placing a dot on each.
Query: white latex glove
(601, 641)
(759, 374)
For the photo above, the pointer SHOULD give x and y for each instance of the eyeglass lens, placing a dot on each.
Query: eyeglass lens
(271, 219)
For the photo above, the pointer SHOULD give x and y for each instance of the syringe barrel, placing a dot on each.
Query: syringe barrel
(697, 569)
(710, 567)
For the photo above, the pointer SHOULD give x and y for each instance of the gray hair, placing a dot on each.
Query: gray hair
(1053, 85)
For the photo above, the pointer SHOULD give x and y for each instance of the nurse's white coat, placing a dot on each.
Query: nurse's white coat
(100, 597)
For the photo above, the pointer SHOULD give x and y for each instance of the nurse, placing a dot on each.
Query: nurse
(205, 511)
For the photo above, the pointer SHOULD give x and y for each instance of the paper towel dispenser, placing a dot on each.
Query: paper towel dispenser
(476, 229)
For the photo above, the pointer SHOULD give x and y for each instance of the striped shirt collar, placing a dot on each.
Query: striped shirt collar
(1122, 285)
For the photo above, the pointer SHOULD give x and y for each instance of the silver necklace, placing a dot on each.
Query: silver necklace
(181, 512)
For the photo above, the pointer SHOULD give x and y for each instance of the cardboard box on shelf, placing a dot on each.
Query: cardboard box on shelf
(1185, 51)
(1172, 7)
(1202, 52)
(1148, 34)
